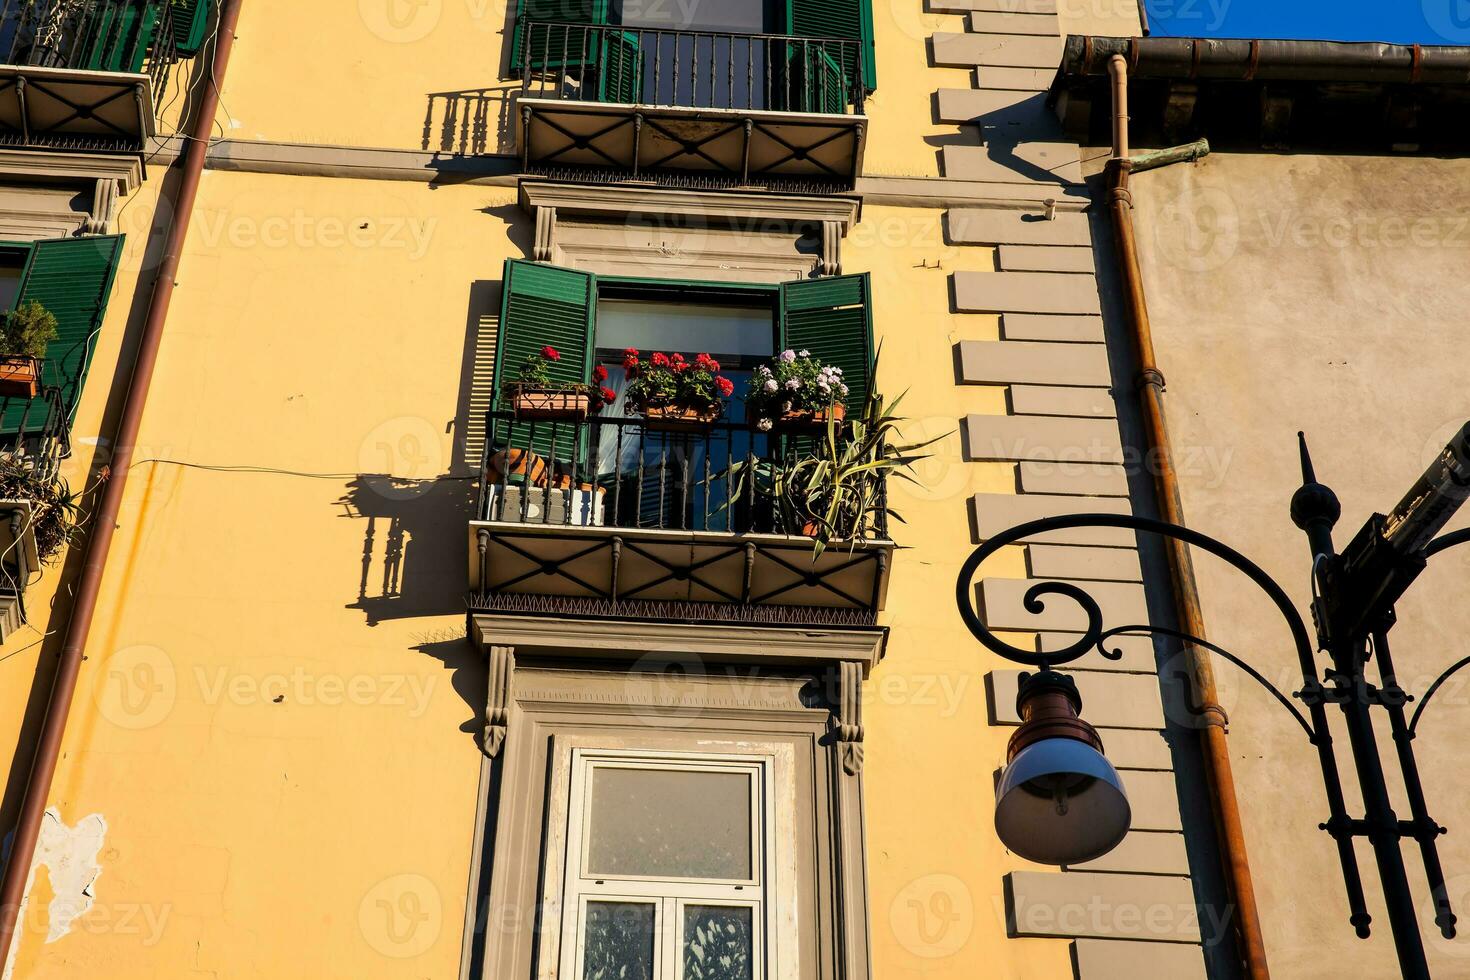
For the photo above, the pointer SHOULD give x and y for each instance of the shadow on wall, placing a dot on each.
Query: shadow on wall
(415, 531)
(467, 676)
(414, 544)
(472, 121)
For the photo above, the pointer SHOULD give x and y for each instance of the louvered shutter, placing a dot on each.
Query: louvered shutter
(621, 62)
(116, 35)
(190, 17)
(551, 46)
(544, 306)
(72, 278)
(832, 318)
(847, 20)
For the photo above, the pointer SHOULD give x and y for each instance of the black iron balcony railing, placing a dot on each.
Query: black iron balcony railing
(618, 473)
(694, 69)
(92, 35)
(35, 429)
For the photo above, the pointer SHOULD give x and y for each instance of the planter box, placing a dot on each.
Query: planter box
(19, 377)
(553, 405)
(810, 421)
(546, 507)
(671, 418)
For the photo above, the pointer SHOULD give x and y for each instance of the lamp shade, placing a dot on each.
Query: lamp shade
(1061, 802)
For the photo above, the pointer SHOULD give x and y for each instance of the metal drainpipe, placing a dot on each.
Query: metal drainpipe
(48, 749)
(1150, 385)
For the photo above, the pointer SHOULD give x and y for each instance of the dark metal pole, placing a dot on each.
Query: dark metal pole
(1315, 509)
(1383, 823)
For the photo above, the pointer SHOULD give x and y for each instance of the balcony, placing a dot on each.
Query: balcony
(85, 75)
(721, 109)
(609, 516)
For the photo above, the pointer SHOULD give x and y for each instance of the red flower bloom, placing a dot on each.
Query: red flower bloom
(608, 395)
(659, 359)
(706, 363)
(631, 352)
(550, 353)
(599, 373)
(726, 386)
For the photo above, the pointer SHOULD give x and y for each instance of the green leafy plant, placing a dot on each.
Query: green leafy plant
(837, 490)
(55, 508)
(28, 331)
(794, 381)
(536, 369)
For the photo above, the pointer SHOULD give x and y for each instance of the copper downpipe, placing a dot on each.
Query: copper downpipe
(1150, 384)
(89, 583)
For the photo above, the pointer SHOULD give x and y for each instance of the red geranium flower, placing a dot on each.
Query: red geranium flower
(550, 353)
(599, 373)
(726, 386)
(659, 359)
(631, 352)
(608, 395)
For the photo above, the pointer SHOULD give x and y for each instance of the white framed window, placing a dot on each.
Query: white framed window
(669, 867)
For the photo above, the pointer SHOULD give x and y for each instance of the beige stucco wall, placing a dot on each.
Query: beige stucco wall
(1326, 294)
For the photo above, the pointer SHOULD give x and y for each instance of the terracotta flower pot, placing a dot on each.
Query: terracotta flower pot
(550, 404)
(19, 377)
(516, 466)
(675, 418)
(809, 420)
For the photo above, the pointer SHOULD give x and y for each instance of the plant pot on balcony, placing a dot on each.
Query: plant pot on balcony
(810, 420)
(518, 466)
(19, 377)
(550, 404)
(678, 418)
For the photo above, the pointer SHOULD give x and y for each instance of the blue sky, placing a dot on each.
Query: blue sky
(1398, 21)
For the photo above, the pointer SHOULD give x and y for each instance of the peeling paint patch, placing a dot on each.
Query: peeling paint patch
(69, 855)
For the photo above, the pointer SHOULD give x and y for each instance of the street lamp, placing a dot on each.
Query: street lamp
(1060, 801)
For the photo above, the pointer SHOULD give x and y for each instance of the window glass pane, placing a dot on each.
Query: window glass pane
(690, 328)
(664, 823)
(718, 943)
(619, 942)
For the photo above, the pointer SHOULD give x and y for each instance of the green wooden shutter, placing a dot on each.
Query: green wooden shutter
(72, 278)
(117, 34)
(190, 17)
(621, 76)
(545, 305)
(554, 47)
(819, 82)
(832, 317)
(848, 20)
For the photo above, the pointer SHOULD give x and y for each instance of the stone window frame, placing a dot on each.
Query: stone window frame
(766, 226)
(561, 682)
(104, 177)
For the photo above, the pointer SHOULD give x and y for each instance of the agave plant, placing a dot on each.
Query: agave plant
(836, 491)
